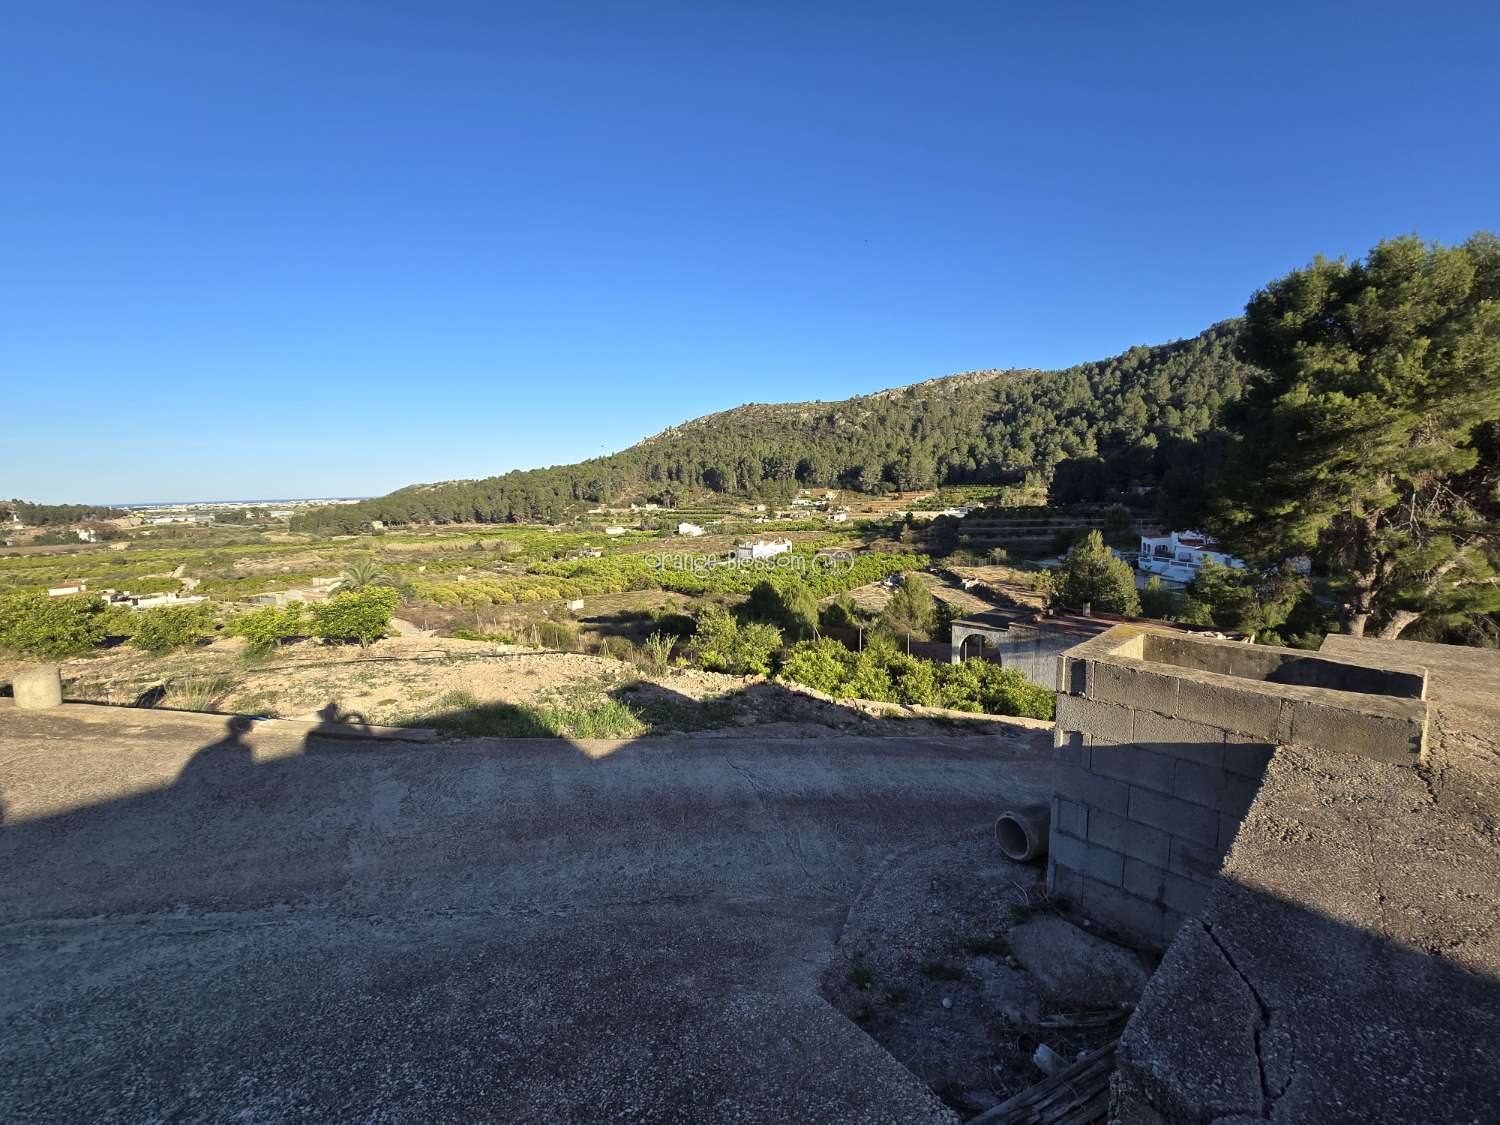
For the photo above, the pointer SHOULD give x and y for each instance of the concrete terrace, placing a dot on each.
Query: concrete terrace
(199, 925)
(1346, 966)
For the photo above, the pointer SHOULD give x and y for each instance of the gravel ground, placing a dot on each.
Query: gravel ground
(203, 925)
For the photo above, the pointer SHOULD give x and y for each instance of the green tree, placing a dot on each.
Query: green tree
(840, 613)
(722, 644)
(365, 573)
(824, 665)
(1091, 575)
(167, 628)
(269, 627)
(786, 603)
(1243, 600)
(799, 609)
(1367, 439)
(362, 616)
(912, 610)
(33, 624)
(1157, 601)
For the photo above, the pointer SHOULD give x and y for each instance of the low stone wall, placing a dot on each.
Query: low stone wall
(1162, 740)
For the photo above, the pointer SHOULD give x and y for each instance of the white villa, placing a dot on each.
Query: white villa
(689, 529)
(761, 549)
(1177, 557)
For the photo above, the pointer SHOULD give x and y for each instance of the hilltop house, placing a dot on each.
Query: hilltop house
(1177, 557)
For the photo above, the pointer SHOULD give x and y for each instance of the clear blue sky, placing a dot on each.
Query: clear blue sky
(272, 249)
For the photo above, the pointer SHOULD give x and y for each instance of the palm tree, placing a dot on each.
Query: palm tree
(361, 574)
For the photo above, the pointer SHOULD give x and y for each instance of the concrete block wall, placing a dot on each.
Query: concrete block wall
(1161, 742)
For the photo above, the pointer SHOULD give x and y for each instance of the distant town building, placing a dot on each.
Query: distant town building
(689, 529)
(614, 531)
(1179, 556)
(839, 517)
(761, 549)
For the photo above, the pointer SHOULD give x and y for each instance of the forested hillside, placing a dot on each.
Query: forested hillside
(46, 515)
(1120, 421)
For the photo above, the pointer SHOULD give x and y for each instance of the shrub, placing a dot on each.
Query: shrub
(656, 651)
(266, 628)
(722, 644)
(53, 628)
(870, 680)
(982, 686)
(557, 635)
(362, 615)
(618, 647)
(167, 628)
(823, 665)
(914, 681)
(119, 621)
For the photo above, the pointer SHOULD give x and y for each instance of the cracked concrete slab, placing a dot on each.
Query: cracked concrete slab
(1349, 957)
(198, 927)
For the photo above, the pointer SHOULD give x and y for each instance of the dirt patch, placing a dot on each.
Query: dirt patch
(404, 679)
(925, 967)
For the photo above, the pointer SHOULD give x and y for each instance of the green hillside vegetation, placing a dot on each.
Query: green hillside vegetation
(53, 515)
(1128, 415)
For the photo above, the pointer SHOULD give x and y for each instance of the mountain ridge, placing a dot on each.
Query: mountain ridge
(1135, 412)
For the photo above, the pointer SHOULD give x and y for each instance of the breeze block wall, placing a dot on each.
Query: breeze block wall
(1162, 739)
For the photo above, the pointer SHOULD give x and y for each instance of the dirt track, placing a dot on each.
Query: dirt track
(199, 926)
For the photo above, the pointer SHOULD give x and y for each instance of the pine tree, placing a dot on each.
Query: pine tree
(1368, 439)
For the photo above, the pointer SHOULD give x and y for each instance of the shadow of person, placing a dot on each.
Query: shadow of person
(224, 764)
(335, 723)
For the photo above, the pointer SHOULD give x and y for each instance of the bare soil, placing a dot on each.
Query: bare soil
(402, 678)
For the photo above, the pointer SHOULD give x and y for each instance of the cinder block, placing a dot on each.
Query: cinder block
(37, 688)
(1122, 912)
(1132, 764)
(1236, 794)
(1072, 675)
(1090, 789)
(1095, 862)
(1138, 688)
(1071, 817)
(1144, 880)
(1187, 896)
(1382, 737)
(1129, 837)
(1246, 757)
(1071, 747)
(1098, 722)
(1177, 817)
(1195, 861)
(1179, 738)
(1228, 706)
(1063, 882)
(1197, 783)
(1229, 827)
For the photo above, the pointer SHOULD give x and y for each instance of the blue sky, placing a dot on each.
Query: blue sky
(281, 249)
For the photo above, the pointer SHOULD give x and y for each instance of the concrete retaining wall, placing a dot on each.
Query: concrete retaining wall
(1162, 740)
